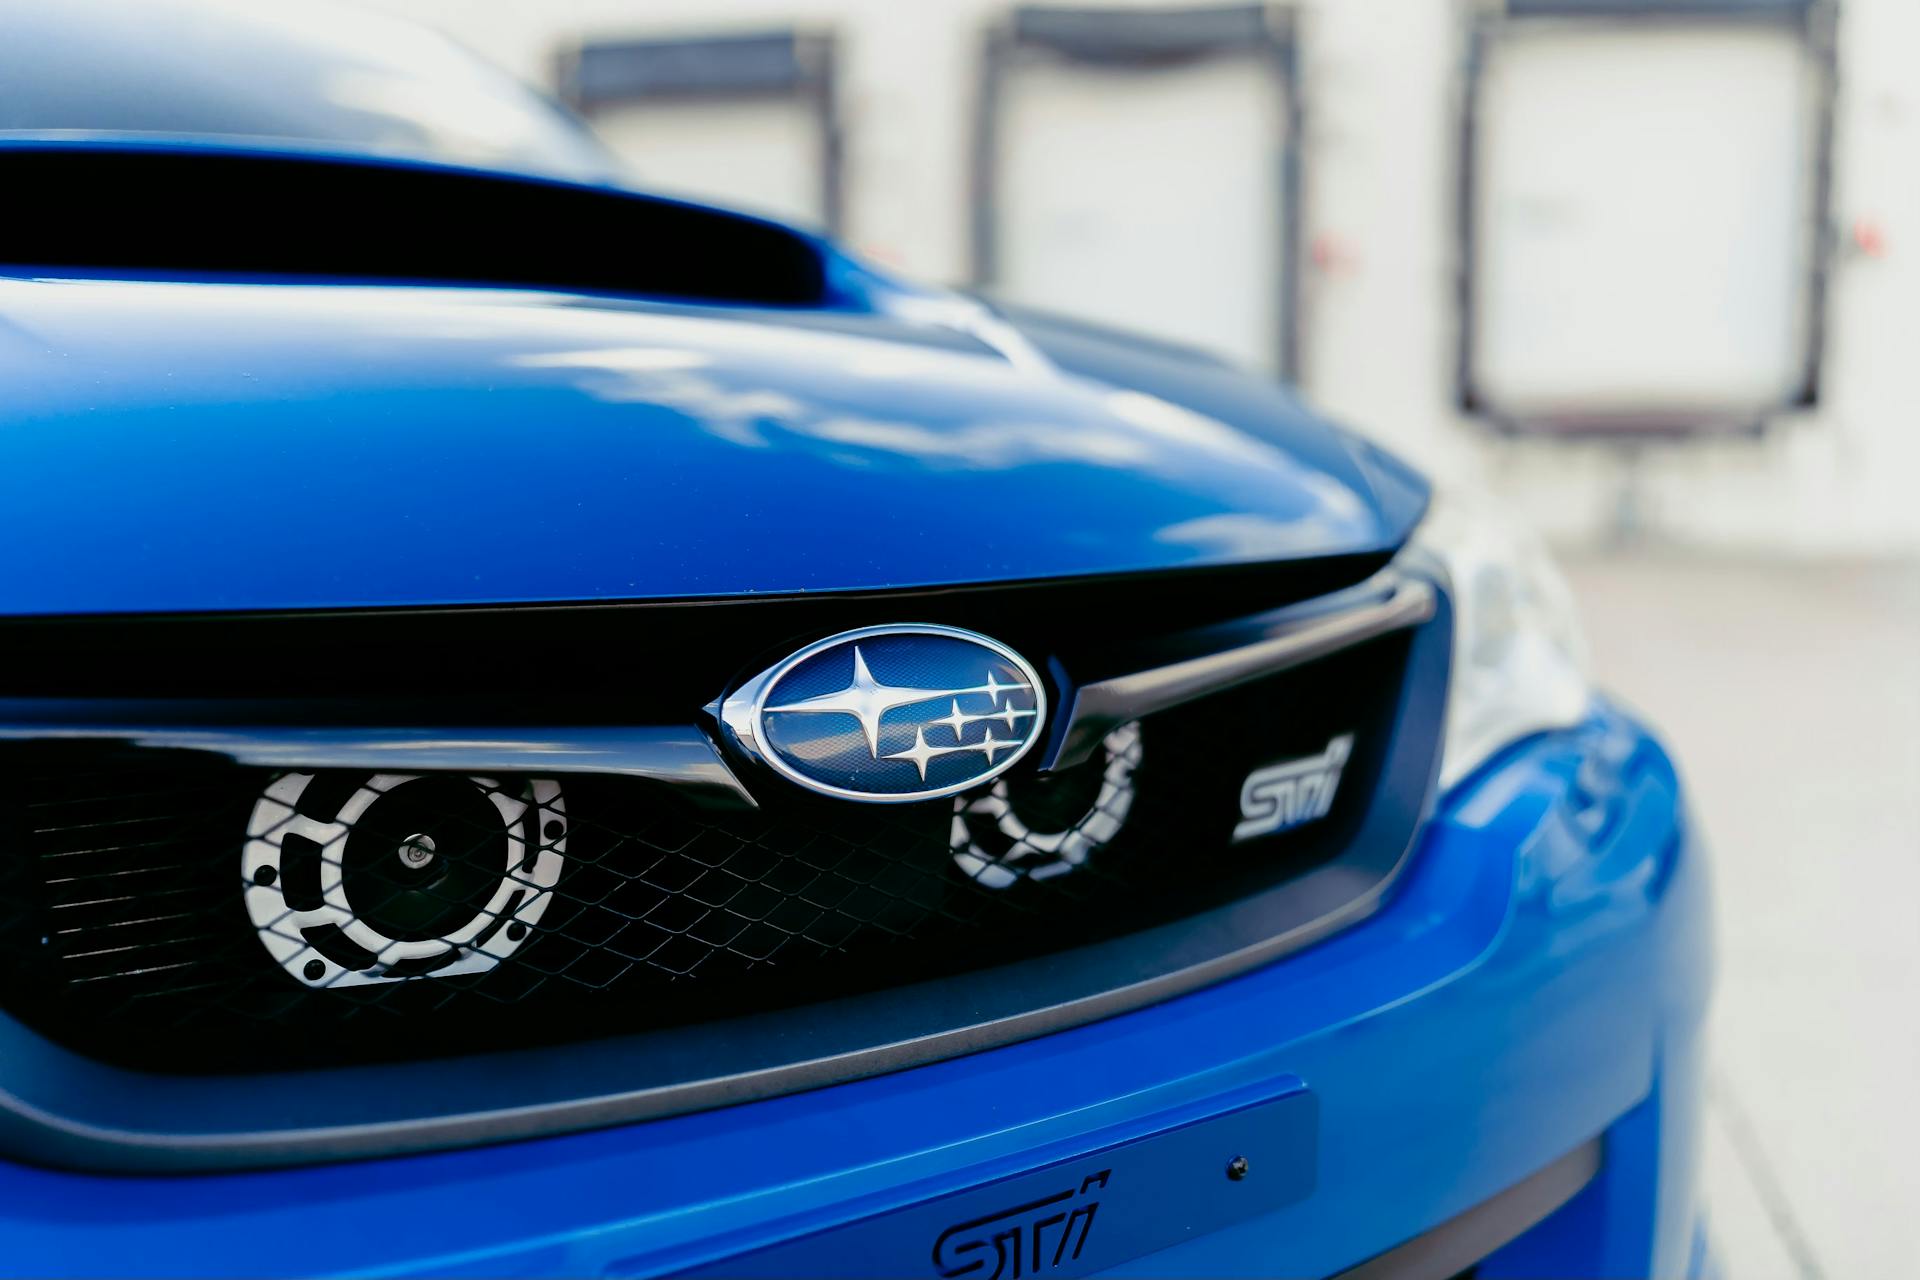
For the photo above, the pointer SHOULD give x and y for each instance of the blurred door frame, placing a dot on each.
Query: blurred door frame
(769, 66)
(1814, 24)
(1131, 38)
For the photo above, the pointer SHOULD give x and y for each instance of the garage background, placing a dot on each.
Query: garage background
(1648, 270)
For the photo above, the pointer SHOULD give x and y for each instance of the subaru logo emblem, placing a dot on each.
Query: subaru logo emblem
(891, 714)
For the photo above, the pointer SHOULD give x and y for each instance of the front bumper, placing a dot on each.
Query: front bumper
(1537, 980)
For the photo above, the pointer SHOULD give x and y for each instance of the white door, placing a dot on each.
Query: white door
(1643, 218)
(763, 153)
(1148, 197)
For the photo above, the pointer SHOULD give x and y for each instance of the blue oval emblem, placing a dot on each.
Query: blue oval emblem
(892, 714)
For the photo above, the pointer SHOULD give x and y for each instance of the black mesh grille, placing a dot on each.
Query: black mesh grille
(126, 930)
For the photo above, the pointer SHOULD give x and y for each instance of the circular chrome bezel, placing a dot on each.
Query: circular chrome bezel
(750, 728)
(280, 926)
(1059, 851)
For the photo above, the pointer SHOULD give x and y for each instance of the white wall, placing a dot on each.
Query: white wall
(1381, 85)
(1152, 200)
(761, 153)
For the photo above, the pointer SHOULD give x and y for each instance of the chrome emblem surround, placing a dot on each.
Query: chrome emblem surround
(951, 723)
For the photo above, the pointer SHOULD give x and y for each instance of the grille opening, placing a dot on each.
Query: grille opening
(125, 932)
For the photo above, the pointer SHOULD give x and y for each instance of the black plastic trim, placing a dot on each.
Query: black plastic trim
(1456, 1245)
(1294, 637)
(59, 1108)
(574, 659)
(679, 755)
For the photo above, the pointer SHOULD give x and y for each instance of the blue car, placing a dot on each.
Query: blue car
(550, 730)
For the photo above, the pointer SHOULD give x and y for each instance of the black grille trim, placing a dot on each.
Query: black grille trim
(59, 1107)
(309, 659)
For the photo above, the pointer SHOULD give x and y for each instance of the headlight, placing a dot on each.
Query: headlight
(1519, 661)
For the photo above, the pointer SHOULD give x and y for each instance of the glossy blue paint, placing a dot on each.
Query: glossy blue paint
(1538, 978)
(205, 447)
(194, 445)
(172, 443)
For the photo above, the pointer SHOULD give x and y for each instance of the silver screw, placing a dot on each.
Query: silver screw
(416, 851)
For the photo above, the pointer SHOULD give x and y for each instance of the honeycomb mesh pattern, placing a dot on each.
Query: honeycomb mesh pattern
(135, 925)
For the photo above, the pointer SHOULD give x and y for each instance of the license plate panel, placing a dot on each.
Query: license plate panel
(1072, 1217)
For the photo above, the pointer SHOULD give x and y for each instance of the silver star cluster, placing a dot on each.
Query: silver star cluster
(867, 700)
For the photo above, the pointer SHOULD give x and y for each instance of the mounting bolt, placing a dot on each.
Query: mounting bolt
(1237, 1168)
(416, 852)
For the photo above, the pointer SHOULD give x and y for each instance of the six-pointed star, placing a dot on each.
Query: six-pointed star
(867, 699)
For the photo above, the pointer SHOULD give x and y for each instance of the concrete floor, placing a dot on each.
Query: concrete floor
(1791, 696)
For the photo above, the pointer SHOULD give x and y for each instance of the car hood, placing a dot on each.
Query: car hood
(188, 447)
